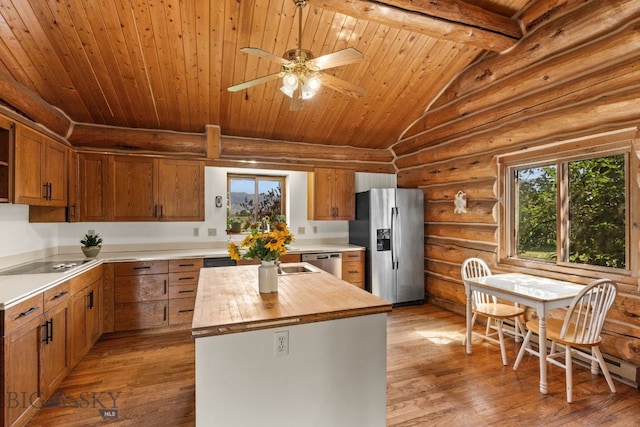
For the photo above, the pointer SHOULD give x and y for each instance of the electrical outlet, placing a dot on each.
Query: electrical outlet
(282, 343)
(300, 230)
(315, 229)
(212, 232)
(91, 232)
(196, 231)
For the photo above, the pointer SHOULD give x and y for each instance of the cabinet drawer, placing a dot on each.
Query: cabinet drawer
(181, 310)
(179, 265)
(352, 256)
(141, 315)
(141, 267)
(152, 287)
(55, 296)
(81, 281)
(291, 258)
(183, 291)
(23, 312)
(353, 272)
(186, 278)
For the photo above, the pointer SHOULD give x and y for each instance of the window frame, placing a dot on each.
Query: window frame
(561, 154)
(257, 178)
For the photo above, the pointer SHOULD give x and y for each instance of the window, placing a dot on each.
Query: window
(251, 198)
(571, 211)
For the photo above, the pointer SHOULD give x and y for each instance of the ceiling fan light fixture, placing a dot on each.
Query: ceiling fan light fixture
(287, 91)
(313, 83)
(290, 81)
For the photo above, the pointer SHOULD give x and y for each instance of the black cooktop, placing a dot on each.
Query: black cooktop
(39, 267)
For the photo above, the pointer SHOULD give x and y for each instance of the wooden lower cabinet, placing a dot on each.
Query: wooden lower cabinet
(20, 361)
(85, 326)
(141, 295)
(183, 284)
(353, 268)
(39, 338)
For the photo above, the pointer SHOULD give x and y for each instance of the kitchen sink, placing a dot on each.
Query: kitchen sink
(39, 267)
(297, 269)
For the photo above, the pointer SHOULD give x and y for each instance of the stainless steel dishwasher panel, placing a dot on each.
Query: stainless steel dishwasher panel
(331, 262)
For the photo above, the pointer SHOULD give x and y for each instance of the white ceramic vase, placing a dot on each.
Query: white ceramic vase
(268, 277)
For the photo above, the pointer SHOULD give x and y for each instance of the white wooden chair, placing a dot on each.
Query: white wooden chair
(578, 332)
(487, 305)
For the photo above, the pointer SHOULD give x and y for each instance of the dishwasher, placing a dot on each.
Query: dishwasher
(329, 261)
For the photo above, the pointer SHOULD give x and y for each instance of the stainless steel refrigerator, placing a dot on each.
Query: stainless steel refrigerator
(390, 224)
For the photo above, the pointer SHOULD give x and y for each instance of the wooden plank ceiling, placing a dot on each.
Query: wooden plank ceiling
(166, 64)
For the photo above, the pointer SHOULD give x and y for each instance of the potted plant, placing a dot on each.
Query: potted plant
(91, 245)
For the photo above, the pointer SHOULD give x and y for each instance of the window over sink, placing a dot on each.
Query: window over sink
(253, 197)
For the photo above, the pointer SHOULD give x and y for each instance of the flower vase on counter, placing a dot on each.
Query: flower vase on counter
(268, 277)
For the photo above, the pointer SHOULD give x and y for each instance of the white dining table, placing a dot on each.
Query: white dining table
(541, 293)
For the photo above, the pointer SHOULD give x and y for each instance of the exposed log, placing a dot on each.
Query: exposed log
(546, 81)
(486, 189)
(453, 170)
(565, 33)
(487, 233)
(443, 289)
(600, 113)
(213, 141)
(478, 211)
(26, 102)
(302, 165)
(542, 11)
(434, 25)
(131, 140)
(272, 150)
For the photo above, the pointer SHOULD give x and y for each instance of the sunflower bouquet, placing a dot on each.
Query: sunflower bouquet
(266, 245)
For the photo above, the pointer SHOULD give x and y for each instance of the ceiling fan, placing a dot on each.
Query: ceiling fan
(301, 73)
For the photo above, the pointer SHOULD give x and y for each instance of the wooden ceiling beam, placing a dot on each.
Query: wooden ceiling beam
(450, 20)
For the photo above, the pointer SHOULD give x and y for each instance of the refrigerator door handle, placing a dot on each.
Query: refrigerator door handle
(394, 226)
(396, 237)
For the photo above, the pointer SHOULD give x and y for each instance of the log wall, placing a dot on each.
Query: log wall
(574, 74)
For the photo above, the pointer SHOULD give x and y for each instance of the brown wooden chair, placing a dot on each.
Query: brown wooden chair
(578, 332)
(487, 305)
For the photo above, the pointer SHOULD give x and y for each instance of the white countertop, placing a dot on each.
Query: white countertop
(16, 288)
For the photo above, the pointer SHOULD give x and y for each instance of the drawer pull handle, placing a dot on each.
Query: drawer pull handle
(186, 265)
(146, 267)
(60, 294)
(185, 292)
(28, 312)
(186, 278)
(354, 271)
(185, 311)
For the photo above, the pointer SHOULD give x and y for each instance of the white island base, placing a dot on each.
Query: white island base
(334, 375)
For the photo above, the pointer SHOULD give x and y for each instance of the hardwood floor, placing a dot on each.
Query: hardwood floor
(431, 382)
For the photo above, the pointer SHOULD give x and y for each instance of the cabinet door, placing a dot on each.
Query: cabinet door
(148, 287)
(54, 162)
(344, 194)
(93, 309)
(320, 194)
(134, 189)
(95, 187)
(141, 315)
(73, 208)
(78, 328)
(28, 180)
(54, 359)
(181, 190)
(22, 382)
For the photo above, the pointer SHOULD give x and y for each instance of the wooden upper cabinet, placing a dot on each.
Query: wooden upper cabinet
(331, 194)
(136, 188)
(40, 169)
(94, 187)
(6, 150)
(181, 190)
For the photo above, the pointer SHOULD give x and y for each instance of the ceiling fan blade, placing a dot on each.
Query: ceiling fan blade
(337, 58)
(296, 100)
(264, 54)
(253, 82)
(343, 86)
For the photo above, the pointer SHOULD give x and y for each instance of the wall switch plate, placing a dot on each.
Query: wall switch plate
(212, 232)
(196, 232)
(315, 229)
(281, 345)
(91, 232)
(300, 230)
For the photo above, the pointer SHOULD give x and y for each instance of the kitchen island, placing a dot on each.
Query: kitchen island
(312, 354)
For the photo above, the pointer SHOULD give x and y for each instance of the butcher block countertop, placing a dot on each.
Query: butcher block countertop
(228, 300)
